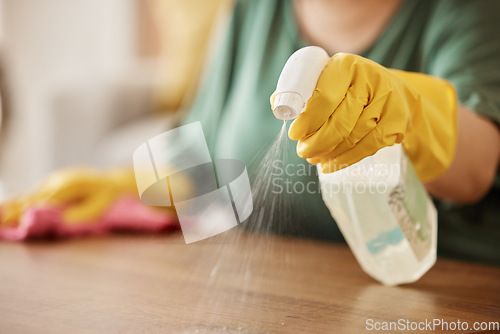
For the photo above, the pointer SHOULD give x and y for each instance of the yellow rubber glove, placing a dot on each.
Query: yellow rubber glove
(84, 193)
(359, 107)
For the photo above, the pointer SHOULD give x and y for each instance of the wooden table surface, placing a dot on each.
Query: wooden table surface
(235, 283)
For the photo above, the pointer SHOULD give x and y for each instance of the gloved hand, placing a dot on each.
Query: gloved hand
(359, 107)
(82, 193)
(81, 201)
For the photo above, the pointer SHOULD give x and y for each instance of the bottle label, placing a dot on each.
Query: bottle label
(412, 209)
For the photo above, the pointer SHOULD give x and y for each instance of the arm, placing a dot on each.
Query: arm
(476, 160)
(466, 51)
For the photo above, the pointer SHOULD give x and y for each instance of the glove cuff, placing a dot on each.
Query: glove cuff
(431, 138)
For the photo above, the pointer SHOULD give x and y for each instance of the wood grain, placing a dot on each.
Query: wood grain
(233, 283)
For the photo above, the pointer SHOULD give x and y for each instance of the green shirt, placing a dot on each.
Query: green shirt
(453, 39)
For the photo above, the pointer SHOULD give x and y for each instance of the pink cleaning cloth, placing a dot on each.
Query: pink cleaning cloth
(125, 214)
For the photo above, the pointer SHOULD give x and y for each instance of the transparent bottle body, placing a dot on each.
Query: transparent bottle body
(385, 215)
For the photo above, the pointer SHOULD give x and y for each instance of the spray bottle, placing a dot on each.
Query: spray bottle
(379, 203)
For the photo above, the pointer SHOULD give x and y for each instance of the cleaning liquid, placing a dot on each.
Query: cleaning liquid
(379, 203)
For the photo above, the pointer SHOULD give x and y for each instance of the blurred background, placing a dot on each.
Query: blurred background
(86, 81)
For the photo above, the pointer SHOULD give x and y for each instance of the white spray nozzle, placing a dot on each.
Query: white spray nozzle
(298, 80)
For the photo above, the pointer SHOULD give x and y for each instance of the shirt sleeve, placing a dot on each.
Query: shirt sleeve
(462, 46)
